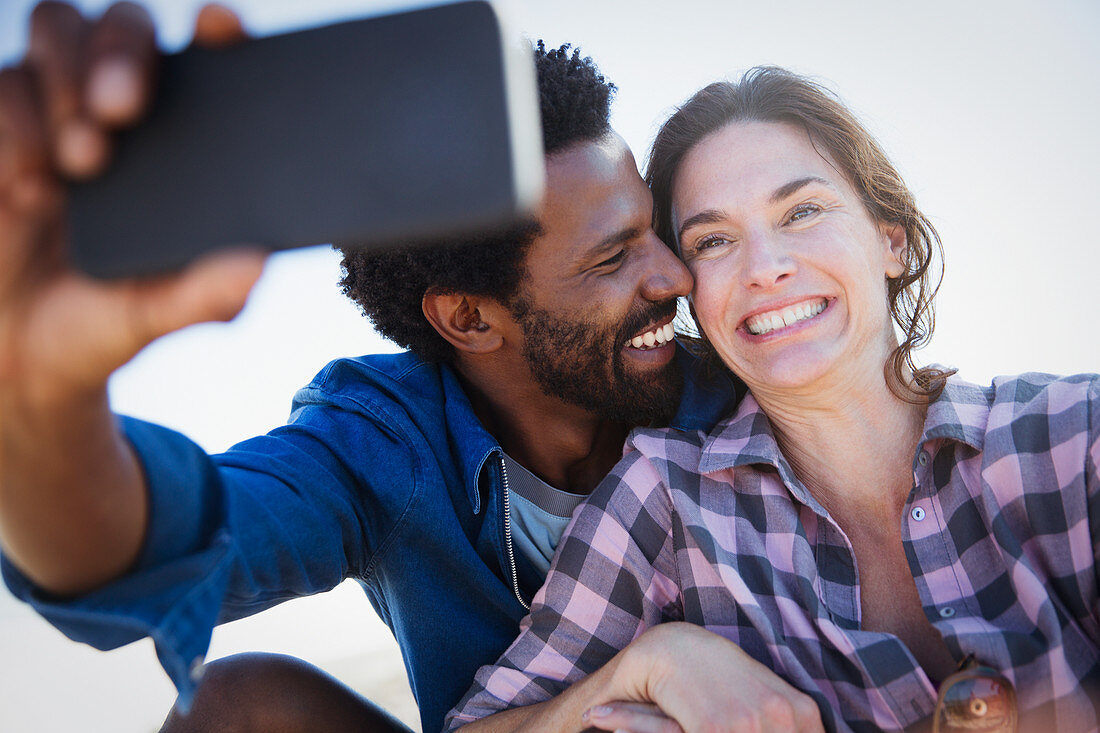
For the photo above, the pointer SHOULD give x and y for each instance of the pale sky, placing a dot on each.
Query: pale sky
(989, 108)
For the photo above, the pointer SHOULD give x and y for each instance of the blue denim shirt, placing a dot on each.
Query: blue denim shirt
(383, 474)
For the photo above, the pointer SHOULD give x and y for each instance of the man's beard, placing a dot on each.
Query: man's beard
(582, 363)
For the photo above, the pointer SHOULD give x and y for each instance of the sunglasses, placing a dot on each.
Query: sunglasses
(975, 699)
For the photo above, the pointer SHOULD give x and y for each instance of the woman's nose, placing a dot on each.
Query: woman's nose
(766, 262)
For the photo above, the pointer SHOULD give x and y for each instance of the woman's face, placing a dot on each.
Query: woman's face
(790, 269)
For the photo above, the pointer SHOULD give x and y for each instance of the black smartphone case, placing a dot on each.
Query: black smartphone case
(372, 132)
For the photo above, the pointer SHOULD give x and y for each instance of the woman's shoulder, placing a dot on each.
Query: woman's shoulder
(1026, 391)
(1030, 412)
(1035, 393)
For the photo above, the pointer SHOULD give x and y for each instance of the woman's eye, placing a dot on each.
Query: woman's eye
(709, 242)
(803, 211)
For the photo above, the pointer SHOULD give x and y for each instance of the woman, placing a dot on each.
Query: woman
(906, 548)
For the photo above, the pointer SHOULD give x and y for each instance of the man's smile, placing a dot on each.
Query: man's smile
(657, 337)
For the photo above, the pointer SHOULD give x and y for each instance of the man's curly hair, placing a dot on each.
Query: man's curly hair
(389, 285)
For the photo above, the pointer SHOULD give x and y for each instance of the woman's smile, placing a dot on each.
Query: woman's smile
(782, 318)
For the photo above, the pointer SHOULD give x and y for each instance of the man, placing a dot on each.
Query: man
(439, 478)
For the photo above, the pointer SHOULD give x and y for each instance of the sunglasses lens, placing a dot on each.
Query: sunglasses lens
(976, 701)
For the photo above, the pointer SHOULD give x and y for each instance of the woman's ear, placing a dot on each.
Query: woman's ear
(463, 320)
(897, 247)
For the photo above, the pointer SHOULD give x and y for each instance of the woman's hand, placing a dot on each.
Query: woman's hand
(632, 717)
(701, 682)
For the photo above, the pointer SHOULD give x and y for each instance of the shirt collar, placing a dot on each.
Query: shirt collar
(745, 438)
(709, 394)
(472, 442)
(961, 413)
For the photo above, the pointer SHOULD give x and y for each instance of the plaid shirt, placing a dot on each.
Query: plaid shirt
(1000, 531)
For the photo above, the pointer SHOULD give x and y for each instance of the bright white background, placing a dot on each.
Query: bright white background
(989, 107)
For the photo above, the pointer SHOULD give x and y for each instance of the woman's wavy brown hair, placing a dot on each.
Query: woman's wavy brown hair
(771, 94)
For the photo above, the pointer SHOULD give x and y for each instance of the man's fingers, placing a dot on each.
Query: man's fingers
(24, 148)
(108, 323)
(56, 52)
(28, 189)
(633, 717)
(214, 288)
(123, 56)
(29, 236)
(217, 26)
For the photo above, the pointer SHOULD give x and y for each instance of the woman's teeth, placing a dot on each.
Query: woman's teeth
(657, 337)
(763, 323)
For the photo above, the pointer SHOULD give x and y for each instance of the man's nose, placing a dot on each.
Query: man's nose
(666, 277)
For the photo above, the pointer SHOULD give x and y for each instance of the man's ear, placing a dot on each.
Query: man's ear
(466, 321)
(897, 247)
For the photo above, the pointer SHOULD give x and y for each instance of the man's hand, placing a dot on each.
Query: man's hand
(60, 332)
(72, 500)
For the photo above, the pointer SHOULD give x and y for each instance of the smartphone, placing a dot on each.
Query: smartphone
(391, 129)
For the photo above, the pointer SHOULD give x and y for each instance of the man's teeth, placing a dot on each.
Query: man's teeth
(657, 337)
(764, 323)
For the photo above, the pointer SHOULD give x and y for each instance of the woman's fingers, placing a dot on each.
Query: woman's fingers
(633, 717)
(706, 682)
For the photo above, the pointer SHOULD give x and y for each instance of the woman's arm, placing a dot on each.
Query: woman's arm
(599, 635)
(674, 677)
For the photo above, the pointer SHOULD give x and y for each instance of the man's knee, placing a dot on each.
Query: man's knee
(276, 693)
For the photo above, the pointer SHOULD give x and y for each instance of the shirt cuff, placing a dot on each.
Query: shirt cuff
(174, 591)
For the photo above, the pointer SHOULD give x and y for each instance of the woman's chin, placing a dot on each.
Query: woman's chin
(792, 371)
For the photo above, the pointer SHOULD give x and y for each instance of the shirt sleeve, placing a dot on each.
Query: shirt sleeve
(280, 516)
(1092, 476)
(613, 576)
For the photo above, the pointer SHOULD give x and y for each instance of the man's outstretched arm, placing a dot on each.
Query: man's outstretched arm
(73, 502)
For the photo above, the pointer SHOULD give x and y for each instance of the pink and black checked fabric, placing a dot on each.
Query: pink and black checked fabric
(1001, 531)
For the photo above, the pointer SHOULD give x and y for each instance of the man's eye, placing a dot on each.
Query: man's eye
(803, 211)
(613, 259)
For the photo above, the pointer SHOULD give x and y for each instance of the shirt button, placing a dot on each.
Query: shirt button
(197, 669)
(947, 612)
(917, 513)
(922, 459)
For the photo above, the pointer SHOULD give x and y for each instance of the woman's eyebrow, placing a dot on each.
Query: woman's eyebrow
(710, 216)
(788, 189)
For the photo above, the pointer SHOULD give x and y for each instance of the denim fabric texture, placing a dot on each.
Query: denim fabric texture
(382, 474)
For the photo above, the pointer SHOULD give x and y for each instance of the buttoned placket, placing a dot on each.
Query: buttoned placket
(919, 511)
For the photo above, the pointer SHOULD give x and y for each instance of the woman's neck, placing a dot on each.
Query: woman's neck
(850, 442)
